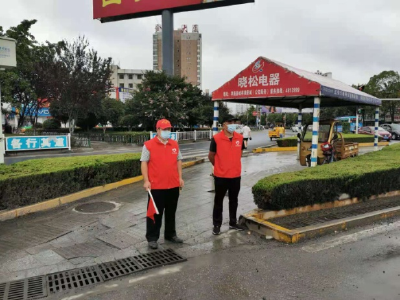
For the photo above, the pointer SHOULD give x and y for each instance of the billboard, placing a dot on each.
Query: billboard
(8, 57)
(115, 10)
(37, 143)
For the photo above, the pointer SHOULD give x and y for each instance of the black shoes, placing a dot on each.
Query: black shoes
(153, 245)
(175, 240)
(216, 230)
(236, 227)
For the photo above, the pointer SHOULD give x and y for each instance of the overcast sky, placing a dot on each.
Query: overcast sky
(353, 39)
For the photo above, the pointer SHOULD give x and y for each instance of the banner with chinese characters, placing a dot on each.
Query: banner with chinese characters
(26, 143)
(125, 9)
(265, 79)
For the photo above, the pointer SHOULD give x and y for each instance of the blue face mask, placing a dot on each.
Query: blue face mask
(232, 128)
(165, 134)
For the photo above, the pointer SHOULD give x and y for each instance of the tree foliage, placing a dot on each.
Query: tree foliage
(162, 96)
(112, 111)
(82, 83)
(19, 83)
(386, 85)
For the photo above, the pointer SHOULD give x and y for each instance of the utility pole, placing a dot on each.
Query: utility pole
(168, 41)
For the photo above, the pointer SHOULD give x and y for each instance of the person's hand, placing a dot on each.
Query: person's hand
(181, 183)
(147, 185)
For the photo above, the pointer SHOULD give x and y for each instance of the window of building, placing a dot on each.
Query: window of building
(130, 76)
(131, 85)
(121, 76)
(121, 85)
(139, 77)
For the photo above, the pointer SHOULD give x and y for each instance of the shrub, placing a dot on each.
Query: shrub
(364, 176)
(51, 124)
(41, 131)
(350, 138)
(33, 181)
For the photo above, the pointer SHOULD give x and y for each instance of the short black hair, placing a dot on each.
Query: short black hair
(229, 118)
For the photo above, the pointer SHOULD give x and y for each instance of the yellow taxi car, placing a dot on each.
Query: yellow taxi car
(277, 132)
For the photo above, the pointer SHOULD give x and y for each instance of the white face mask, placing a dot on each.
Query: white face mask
(232, 127)
(165, 134)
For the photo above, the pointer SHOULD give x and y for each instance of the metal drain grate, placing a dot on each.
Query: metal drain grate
(119, 268)
(26, 289)
(35, 287)
(73, 279)
(138, 263)
(159, 258)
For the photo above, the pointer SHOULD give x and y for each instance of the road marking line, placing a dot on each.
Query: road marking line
(165, 271)
(350, 238)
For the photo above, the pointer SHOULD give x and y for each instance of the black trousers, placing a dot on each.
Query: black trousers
(165, 200)
(222, 185)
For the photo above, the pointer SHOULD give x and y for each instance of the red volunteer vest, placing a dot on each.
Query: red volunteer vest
(163, 164)
(228, 157)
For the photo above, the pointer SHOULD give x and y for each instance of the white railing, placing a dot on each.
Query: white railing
(194, 135)
(188, 135)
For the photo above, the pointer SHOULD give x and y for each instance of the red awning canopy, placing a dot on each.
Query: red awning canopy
(268, 82)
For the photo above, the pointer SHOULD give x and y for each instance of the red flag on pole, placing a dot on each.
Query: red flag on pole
(152, 208)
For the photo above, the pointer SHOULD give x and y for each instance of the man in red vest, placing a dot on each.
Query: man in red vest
(162, 174)
(225, 155)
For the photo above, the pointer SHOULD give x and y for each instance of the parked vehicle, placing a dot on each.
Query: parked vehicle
(371, 131)
(277, 132)
(393, 129)
(295, 128)
(349, 119)
(329, 149)
(326, 134)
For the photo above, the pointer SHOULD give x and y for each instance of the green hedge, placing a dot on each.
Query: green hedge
(364, 176)
(33, 181)
(349, 137)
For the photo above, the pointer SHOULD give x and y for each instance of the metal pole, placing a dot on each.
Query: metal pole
(356, 120)
(2, 150)
(216, 117)
(376, 128)
(299, 121)
(314, 147)
(168, 42)
(69, 141)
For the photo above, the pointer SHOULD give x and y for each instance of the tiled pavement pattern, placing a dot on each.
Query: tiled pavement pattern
(63, 239)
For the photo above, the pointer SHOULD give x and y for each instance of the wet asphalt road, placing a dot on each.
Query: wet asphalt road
(199, 149)
(360, 264)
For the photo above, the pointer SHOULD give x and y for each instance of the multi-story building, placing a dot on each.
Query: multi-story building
(187, 53)
(126, 78)
(125, 81)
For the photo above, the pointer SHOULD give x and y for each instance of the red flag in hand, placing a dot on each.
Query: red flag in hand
(152, 208)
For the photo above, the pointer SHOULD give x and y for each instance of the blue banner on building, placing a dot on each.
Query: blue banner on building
(27, 143)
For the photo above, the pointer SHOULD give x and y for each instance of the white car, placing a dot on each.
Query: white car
(296, 128)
